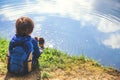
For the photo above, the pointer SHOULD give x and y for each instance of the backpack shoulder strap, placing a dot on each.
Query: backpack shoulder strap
(30, 62)
(28, 48)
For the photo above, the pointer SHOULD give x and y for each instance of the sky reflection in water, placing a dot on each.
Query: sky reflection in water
(91, 27)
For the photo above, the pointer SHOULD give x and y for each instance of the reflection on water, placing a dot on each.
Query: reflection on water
(91, 27)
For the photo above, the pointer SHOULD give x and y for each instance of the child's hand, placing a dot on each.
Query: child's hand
(36, 38)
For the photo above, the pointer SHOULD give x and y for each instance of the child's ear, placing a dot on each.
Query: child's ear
(36, 38)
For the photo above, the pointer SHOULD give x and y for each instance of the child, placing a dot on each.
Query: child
(23, 49)
(41, 42)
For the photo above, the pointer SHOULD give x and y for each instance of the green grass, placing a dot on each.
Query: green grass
(52, 59)
(3, 49)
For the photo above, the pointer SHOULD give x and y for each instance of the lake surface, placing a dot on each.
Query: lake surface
(89, 27)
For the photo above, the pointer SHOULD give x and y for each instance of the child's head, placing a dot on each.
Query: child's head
(41, 42)
(24, 26)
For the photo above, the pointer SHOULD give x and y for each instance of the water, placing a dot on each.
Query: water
(90, 27)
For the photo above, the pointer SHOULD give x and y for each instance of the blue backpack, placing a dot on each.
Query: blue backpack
(19, 61)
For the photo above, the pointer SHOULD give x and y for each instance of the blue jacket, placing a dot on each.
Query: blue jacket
(28, 43)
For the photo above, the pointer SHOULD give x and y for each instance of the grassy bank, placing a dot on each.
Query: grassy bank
(57, 65)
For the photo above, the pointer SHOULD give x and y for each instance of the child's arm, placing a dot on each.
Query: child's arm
(36, 48)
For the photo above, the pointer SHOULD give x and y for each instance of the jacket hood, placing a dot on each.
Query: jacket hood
(20, 39)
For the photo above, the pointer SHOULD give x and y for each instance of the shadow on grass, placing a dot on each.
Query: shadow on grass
(34, 75)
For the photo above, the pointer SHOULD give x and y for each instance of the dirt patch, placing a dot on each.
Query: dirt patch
(83, 75)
